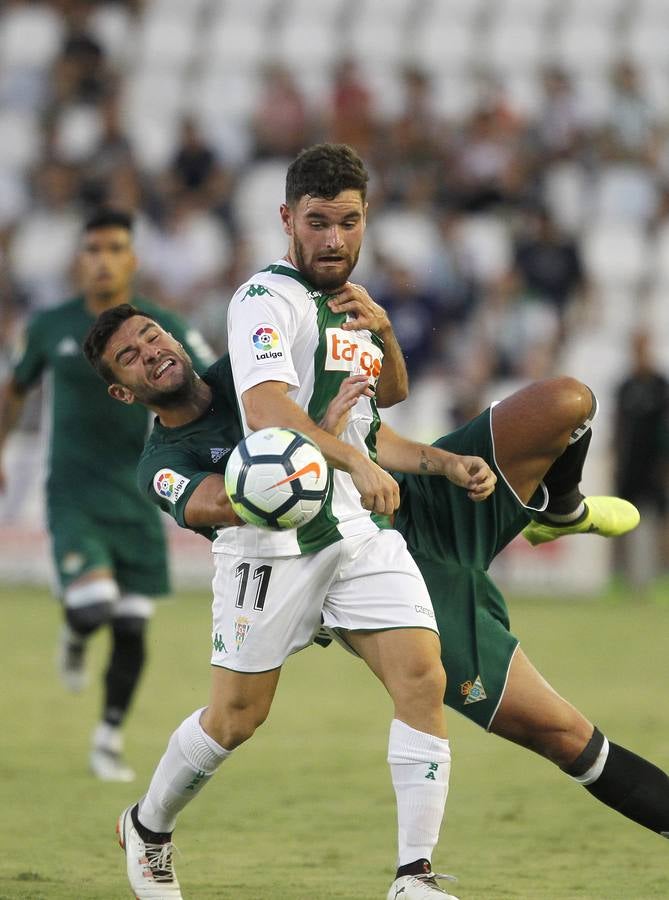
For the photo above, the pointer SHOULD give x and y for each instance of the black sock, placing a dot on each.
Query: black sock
(629, 784)
(418, 867)
(564, 476)
(125, 667)
(149, 837)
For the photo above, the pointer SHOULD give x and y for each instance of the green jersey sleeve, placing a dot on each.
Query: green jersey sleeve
(32, 356)
(168, 475)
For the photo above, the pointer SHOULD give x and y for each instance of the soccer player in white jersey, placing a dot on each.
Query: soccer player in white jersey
(294, 337)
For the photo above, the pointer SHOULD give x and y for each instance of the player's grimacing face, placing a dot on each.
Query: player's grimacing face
(106, 261)
(148, 362)
(326, 236)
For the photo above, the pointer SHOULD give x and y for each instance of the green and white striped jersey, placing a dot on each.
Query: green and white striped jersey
(280, 328)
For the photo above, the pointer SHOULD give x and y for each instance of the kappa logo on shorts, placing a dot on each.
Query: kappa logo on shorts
(473, 691)
(267, 344)
(169, 484)
(424, 610)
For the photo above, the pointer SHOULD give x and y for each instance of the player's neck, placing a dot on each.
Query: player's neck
(193, 406)
(98, 303)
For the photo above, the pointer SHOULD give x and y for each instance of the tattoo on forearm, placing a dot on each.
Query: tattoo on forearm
(426, 467)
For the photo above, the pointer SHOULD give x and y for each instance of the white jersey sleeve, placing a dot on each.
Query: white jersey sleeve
(262, 326)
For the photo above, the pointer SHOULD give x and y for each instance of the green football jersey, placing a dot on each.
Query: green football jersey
(94, 441)
(176, 460)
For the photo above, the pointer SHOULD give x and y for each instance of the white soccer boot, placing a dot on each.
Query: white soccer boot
(70, 661)
(420, 887)
(150, 868)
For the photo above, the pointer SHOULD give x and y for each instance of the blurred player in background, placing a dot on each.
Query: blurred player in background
(108, 543)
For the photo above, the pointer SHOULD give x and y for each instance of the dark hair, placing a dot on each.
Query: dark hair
(105, 326)
(325, 170)
(109, 218)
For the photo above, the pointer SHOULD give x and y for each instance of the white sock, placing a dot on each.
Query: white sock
(565, 518)
(190, 760)
(108, 737)
(420, 766)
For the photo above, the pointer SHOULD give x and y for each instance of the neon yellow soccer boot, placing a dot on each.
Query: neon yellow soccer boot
(606, 516)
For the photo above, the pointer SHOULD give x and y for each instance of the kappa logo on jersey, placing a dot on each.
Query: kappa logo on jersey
(67, 347)
(170, 485)
(267, 344)
(350, 352)
(217, 453)
(257, 290)
(473, 691)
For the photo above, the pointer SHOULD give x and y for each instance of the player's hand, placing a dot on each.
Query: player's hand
(472, 473)
(350, 390)
(354, 300)
(379, 492)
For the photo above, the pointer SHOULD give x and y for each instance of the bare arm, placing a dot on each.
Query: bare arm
(393, 384)
(209, 505)
(401, 455)
(268, 404)
(12, 401)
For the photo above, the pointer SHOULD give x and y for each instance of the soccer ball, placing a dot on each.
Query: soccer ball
(276, 478)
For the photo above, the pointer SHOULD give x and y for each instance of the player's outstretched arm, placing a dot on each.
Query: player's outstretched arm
(393, 383)
(399, 454)
(209, 505)
(336, 415)
(268, 404)
(12, 401)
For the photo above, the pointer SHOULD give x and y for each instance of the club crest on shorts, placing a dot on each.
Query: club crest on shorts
(242, 628)
(473, 691)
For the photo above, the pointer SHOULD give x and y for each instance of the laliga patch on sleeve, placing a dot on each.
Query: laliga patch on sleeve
(169, 484)
(267, 344)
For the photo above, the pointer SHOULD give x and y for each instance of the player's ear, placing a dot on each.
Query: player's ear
(121, 393)
(286, 219)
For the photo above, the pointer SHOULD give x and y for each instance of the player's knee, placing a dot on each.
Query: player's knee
(235, 724)
(84, 620)
(572, 402)
(424, 682)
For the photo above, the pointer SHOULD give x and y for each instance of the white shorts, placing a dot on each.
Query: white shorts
(265, 609)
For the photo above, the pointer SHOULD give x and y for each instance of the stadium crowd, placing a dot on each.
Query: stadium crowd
(519, 206)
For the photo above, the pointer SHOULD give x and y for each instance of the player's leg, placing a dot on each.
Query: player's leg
(239, 703)
(129, 623)
(381, 607)
(262, 612)
(542, 433)
(533, 715)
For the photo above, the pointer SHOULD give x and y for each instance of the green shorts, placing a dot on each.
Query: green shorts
(453, 541)
(135, 551)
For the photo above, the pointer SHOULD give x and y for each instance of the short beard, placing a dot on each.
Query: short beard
(324, 282)
(179, 395)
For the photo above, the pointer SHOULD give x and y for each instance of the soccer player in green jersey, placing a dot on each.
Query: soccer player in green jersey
(108, 543)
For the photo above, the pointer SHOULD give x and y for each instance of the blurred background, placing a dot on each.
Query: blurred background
(518, 222)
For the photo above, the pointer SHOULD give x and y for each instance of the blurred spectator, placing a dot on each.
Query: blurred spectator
(42, 247)
(559, 126)
(630, 131)
(352, 119)
(196, 168)
(280, 122)
(415, 315)
(549, 262)
(641, 450)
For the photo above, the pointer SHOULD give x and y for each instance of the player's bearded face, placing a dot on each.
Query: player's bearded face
(326, 236)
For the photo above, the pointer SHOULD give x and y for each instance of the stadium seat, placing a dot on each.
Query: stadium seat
(407, 236)
(513, 46)
(376, 42)
(616, 254)
(529, 12)
(168, 42)
(445, 47)
(20, 140)
(566, 193)
(233, 42)
(31, 36)
(660, 260)
(111, 25)
(585, 47)
(78, 131)
(645, 43)
(625, 191)
(259, 194)
(312, 44)
(485, 241)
